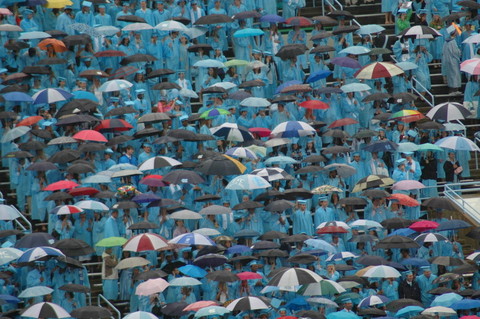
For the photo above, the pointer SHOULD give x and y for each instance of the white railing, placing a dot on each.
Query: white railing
(336, 5)
(19, 224)
(102, 297)
(456, 196)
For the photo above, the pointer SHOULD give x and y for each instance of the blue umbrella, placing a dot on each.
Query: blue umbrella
(321, 244)
(409, 311)
(355, 49)
(8, 299)
(246, 233)
(238, 249)
(381, 146)
(293, 129)
(37, 253)
(48, 96)
(457, 143)
(446, 300)
(318, 75)
(465, 304)
(272, 18)
(247, 32)
(342, 315)
(17, 97)
(370, 28)
(193, 271)
(85, 95)
(452, 224)
(403, 232)
(415, 262)
(406, 66)
(286, 84)
(298, 303)
(373, 300)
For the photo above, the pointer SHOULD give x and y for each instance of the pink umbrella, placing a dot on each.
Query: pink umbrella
(201, 304)
(151, 286)
(247, 275)
(407, 185)
(423, 225)
(145, 242)
(471, 66)
(90, 135)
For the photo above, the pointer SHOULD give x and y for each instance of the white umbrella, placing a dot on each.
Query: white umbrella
(151, 286)
(255, 102)
(323, 301)
(215, 210)
(207, 232)
(457, 143)
(9, 254)
(45, 310)
(107, 30)
(34, 35)
(185, 214)
(334, 223)
(382, 271)
(225, 85)
(92, 205)
(8, 212)
(277, 142)
(321, 288)
(140, 315)
(139, 26)
(184, 281)
(195, 32)
(171, 25)
(247, 303)
(35, 292)
(209, 63)
(188, 93)
(448, 112)
(365, 223)
(115, 85)
(248, 182)
(439, 311)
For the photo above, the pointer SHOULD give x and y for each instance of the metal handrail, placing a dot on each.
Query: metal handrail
(454, 195)
(102, 297)
(24, 219)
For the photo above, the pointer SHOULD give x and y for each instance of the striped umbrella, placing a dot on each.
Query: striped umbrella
(247, 303)
(37, 253)
(293, 129)
(47, 96)
(430, 238)
(457, 143)
(294, 277)
(241, 152)
(378, 70)
(448, 111)
(471, 66)
(45, 310)
(145, 242)
(66, 210)
(192, 239)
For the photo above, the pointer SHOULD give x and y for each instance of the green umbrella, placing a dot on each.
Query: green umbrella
(236, 62)
(429, 147)
(212, 113)
(111, 242)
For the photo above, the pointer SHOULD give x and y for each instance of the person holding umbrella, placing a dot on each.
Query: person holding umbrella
(451, 62)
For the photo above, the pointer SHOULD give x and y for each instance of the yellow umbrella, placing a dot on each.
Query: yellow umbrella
(58, 4)
(362, 272)
(240, 166)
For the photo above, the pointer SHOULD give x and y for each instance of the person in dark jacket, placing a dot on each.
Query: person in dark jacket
(451, 167)
(409, 288)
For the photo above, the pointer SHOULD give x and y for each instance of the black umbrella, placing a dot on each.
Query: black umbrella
(246, 233)
(309, 169)
(214, 89)
(131, 18)
(80, 39)
(219, 165)
(345, 29)
(143, 225)
(17, 45)
(265, 244)
(75, 288)
(151, 274)
(273, 234)
(375, 193)
(447, 278)
(341, 14)
(335, 150)
(8, 115)
(64, 156)
(251, 84)
(279, 205)
(297, 238)
(58, 196)
(362, 238)
(146, 132)
(247, 15)
(80, 169)
(50, 61)
(396, 223)
(207, 198)
(210, 260)
(83, 105)
(325, 21)
(302, 258)
(430, 125)
(239, 95)
(139, 57)
(19, 154)
(364, 133)
(297, 193)
(469, 4)
(159, 73)
(120, 111)
(166, 86)
(357, 279)
(376, 97)
(314, 159)
(401, 98)
(284, 98)
(222, 276)
(446, 261)
(104, 194)
(199, 46)
(441, 203)
(35, 240)
(35, 69)
(43, 134)
(213, 19)
(73, 247)
(440, 291)
(289, 51)
(126, 204)
(175, 309)
(474, 233)
(91, 312)
(371, 312)
(92, 147)
(165, 139)
(211, 249)
(312, 314)
(467, 292)
(76, 119)
(273, 253)
(381, 146)
(119, 140)
(247, 205)
(396, 241)
(168, 268)
(32, 145)
(242, 259)
(353, 201)
(268, 195)
(398, 304)
(181, 176)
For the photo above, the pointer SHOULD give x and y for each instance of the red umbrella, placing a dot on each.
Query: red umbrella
(343, 122)
(300, 21)
(83, 191)
(65, 184)
(314, 105)
(247, 275)
(109, 53)
(202, 304)
(145, 242)
(29, 121)
(405, 200)
(90, 135)
(332, 230)
(423, 225)
(153, 180)
(113, 125)
(260, 131)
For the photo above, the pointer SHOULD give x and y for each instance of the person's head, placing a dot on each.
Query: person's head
(451, 156)
(302, 204)
(160, 5)
(348, 304)
(356, 157)
(427, 272)
(129, 150)
(115, 213)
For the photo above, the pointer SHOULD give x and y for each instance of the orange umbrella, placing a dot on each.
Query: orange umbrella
(314, 105)
(405, 200)
(29, 121)
(90, 135)
(343, 122)
(58, 46)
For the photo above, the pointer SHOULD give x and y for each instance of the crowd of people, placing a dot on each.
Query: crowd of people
(270, 109)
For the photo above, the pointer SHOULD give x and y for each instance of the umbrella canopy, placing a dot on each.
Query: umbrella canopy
(45, 310)
(247, 303)
(372, 181)
(293, 129)
(145, 242)
(151, 286)
(448, 112)
(247, 182)
(378, 70)
(192, 239)
(90, 312)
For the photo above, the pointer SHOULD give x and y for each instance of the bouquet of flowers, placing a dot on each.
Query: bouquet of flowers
(126, 192)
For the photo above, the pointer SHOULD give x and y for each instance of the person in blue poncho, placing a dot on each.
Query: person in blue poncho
(451, 62)
(425, 282)
(302, 219)
(127, 157)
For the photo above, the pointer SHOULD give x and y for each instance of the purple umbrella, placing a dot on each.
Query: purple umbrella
(272, 18)
(346, 62)
(145, 198)
(286, 84)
